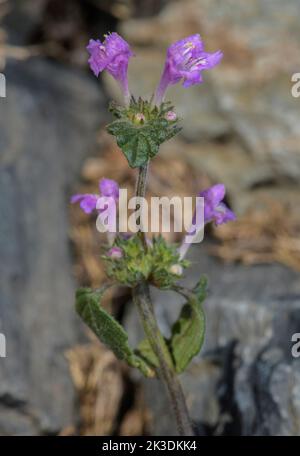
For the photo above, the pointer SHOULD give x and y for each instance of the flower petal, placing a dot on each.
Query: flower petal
(214, 195)
(109, 187)
(223, 214)
(87, 201)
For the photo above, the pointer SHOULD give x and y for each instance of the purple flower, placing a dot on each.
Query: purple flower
(214, 210)
(88, 201)
(112, 55)
(185, 61)
(109, 187)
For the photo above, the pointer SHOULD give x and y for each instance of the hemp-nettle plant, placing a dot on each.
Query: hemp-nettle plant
(140, 126)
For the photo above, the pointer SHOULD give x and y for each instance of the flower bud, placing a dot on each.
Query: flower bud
(176, 269)
(139, 118)
(115, 253)
(171, 116)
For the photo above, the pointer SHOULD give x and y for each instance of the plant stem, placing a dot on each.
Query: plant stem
(140, 193)
(142, 299)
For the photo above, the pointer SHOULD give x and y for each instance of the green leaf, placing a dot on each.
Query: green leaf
(136, 142)
(140, 141)
(144, 350)
(107, 329)
(189, 330)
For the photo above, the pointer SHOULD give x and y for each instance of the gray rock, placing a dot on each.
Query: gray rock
(48, 123)
(245, 381)
(21, 20)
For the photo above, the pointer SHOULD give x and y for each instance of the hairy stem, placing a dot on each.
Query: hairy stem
(140, 193)
(142, 299)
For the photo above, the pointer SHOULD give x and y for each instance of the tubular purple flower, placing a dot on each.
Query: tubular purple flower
(112, 55)
(185, 61)
(214, 211)
(88, 201)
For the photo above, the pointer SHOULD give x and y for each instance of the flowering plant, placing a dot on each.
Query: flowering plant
(140, 127)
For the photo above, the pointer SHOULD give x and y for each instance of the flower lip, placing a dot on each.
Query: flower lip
(187, 59)
(214, 209)
(87, 202)
(112, 54)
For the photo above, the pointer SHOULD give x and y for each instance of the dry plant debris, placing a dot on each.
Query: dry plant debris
(102, 385)
(264, 235)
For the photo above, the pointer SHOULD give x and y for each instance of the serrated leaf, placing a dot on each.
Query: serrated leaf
(189, 330)
(107, 329)
(139, 143)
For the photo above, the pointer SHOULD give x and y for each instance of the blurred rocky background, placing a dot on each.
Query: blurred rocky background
(241, 127)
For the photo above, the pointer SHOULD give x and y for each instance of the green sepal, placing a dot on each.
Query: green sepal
(107, 329)
(155, 265)
(133, 267)
(164, 256)
(189, 330)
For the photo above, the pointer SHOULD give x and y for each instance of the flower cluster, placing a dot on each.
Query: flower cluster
(186, 59)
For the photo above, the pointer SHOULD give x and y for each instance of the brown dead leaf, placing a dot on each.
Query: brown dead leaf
(264, 235)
